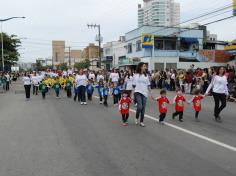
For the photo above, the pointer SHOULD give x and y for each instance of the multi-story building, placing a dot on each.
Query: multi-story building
(62, 54)
(170, 48)
(58, 52)
(159, 13)
(91, 52)
(113, 52)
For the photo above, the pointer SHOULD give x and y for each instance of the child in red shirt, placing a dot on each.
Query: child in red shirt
(124, 106)
(162, 105)
(179, 105)
(196, 100)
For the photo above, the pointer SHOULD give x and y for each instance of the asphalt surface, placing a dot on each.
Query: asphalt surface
(58, 137)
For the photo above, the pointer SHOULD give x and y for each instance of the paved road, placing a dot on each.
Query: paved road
(58, 137)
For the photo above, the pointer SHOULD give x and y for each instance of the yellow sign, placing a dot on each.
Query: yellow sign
(147, 40)
(234, 7)
(230, 47)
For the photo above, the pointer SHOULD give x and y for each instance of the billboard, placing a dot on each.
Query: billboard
(234, 7)
(147, 40)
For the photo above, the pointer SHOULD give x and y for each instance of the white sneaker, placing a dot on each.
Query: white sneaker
(142, 124)
(101, 102)
(136, 121)
(85, 103)
(81, 103)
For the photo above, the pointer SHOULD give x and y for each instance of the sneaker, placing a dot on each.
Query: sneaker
(136, 121)
(125, 124)
(142, 124)
(161, 123)
(181, 120)
(85, 103)
(81, 103)
(101, 102)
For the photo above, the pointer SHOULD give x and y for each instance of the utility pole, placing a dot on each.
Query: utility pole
(99, 41)
(69, 55)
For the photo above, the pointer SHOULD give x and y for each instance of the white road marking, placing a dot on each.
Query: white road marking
(221, 144)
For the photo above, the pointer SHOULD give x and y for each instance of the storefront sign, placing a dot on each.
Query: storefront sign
(147, 40)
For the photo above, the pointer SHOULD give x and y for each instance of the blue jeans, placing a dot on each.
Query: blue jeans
(141, 101)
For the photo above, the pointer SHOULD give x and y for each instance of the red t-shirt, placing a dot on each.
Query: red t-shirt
(197, 102)
(124, 105)
(162, 103)
(179, 103)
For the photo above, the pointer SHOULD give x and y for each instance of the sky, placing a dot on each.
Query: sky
(48, 20)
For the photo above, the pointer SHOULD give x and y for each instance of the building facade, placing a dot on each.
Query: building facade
(113, 52)
(172, 47)
(58, 52)
(62, 54)
(159, 13)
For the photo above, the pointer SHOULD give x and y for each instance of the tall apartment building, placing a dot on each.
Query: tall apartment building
(58, 52)
(158, 13)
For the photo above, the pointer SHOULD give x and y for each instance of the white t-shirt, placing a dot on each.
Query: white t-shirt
(35, 80)
(100, 77)
(114, 77)
(81, 80)
(27, 80)
(219, 85)
(92, 76)
(129, 83)
(8, 77)
(141, 84)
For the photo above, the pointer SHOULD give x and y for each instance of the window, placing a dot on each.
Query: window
(130, 48)
(159, 44)
(138, 45)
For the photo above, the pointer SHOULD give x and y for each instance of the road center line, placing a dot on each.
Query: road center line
(221, 144)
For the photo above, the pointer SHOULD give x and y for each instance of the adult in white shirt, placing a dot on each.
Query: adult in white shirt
(8, 79)
(141, 84)
(100, 77)
(27, 85)
(114, 76)
(219, 91)
(81, 81)
(129, 79)
(35, 81)
(91, 76)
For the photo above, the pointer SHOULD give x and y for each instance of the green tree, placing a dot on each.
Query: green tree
(38, 66)
(10, 45)
(62, 67)
(83, 64)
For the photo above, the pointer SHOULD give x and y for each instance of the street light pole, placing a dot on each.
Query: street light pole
(3, 66)
(3, 20)
(99, 41)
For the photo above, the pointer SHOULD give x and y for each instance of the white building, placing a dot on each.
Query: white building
(113, 52)
(159, 13)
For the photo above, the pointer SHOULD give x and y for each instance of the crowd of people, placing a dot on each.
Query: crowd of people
(126, 87)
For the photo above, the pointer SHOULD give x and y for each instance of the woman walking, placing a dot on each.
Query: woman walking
(129, 82)
(27, 85)
(81, 82)
(141, 86)
(219, 91)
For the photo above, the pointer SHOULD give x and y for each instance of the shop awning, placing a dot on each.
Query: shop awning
(189, 40)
